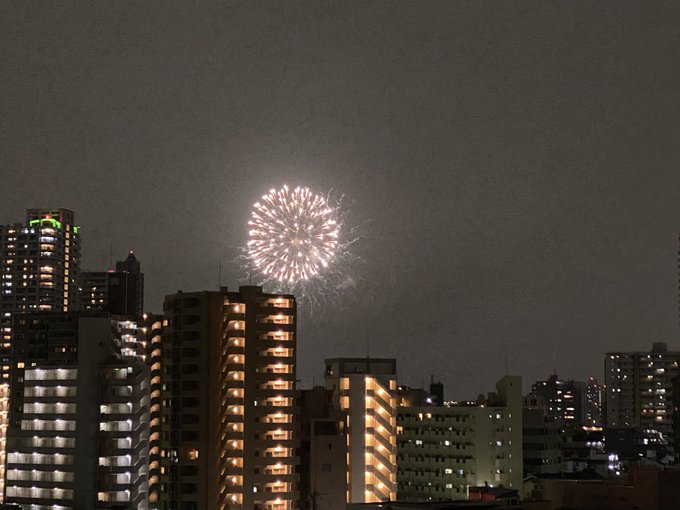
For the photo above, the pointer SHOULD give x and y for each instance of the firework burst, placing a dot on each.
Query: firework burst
(297, 243)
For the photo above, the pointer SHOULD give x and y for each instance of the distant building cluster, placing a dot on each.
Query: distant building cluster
(106, 406)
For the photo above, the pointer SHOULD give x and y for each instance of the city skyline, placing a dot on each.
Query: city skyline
(199, 407)
(516, 169)
(314, 380)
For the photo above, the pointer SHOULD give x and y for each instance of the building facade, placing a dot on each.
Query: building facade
(78, 416)
(639, 389)
(150, 330)
(39, 263)
(323, 451)
(594, 399)
(563, 399)
(229, 411)
(444, 450)
(119, 292)
(365, 390)
(541, 442)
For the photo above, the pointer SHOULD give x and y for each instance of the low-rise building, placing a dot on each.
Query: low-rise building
(641, 489)
(442, 451)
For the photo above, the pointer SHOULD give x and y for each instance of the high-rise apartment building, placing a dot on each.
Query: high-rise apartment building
(563, 399)
(119, 292)
(149, 332)
(39, 263)
(594, 400)
(229, 434)
(444, 450)
(639, 389)
(365, 389)
(78, 416)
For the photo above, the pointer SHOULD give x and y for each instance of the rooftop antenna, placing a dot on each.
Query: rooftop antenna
(368, 351)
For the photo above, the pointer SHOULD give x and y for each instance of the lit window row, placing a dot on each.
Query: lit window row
(276, 351)
(116, 426)
(277, 401)
(277, 319)
(48, 425)
(276, 335)
(56, 408)
(38, 493)
(59, 374)
(24, 475)
(52, 442)
(279, 384)
(125, 408)
(114, 496)
(56, 459)
(116, 461)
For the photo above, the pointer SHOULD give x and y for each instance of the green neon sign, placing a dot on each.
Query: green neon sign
(76, 230)
(55, 223)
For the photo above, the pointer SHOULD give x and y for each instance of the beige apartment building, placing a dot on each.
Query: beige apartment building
(444, 450)
(365, 389)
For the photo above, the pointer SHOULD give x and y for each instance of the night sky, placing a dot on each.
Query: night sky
(514, 165)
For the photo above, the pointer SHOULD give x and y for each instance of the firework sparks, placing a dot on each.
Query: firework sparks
(293, 234)
(296, 243)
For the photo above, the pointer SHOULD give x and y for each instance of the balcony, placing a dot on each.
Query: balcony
(276, 351)
(274, 305)
(269, 338)
(278, 401)
(273, 367)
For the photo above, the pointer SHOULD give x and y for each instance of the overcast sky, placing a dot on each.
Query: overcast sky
(517, 162)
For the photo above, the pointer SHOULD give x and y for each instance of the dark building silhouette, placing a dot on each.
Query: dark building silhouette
(642, 488)
(323, 447)
(563, 399)
(675, 418)
(411, 397)
(436, 397)
(119, 292)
